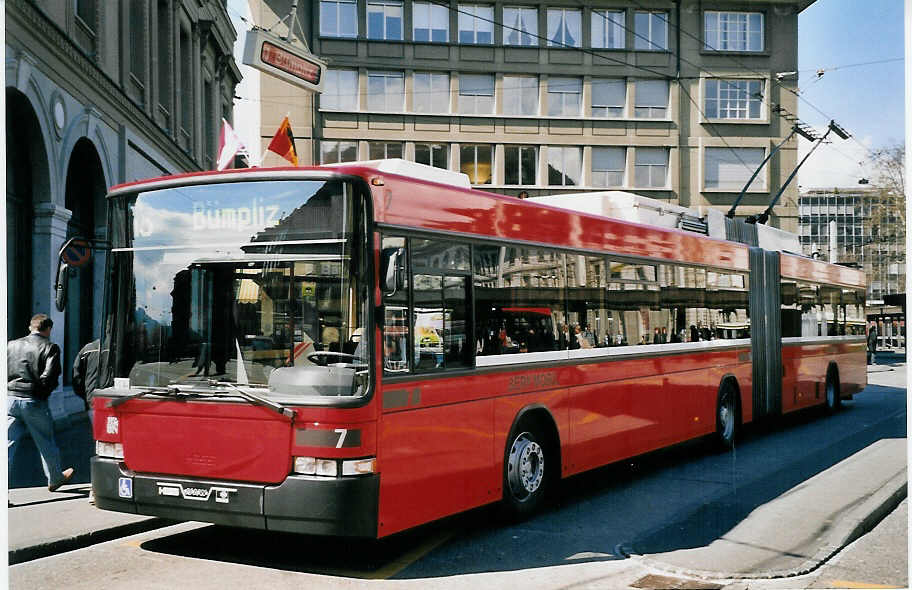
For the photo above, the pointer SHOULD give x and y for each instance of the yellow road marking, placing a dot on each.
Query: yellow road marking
(407, 559)
(848, 584)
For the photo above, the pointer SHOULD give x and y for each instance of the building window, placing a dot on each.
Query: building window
(729, 168)
(431, 92)
(476, 24)
(651, 167)
(520, 26)
(520, 95)
(564, 166)
(733, 31)
(385, 91)
(163, 51)
(430, 22)
(733, 99)
(432, 154)
(650, 31)
(334, 152)
(85, 10)
(384, 20)
(476, 94)
(608, 97)
(380, 150)
(185, 51)
(565, 96)
(340, 90)
(564, 26)
(477, 162)
(651, 99)
(608, 166)
(137, 11)
(339, 18)
(608, 29)
(519, 164)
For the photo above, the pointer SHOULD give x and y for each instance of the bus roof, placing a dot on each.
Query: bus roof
(425, 203)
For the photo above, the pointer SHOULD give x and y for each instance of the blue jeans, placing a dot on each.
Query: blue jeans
(33, 417)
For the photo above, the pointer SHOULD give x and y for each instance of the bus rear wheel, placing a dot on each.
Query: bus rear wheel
(527, 469)
(832, 392)
(727, 417)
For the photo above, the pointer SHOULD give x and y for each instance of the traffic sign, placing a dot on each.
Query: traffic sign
(76, 253)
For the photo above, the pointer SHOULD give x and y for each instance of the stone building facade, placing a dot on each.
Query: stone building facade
(97, 94)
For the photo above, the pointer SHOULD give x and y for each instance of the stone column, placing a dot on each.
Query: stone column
(50, 231)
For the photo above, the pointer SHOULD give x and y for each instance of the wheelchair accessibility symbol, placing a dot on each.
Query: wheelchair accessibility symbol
(125, 487)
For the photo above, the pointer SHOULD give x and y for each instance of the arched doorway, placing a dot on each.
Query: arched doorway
(26, 183)
(85, 190)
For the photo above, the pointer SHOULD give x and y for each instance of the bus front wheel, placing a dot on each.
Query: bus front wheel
(527, 468)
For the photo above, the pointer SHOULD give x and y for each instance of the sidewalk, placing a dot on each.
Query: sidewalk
(43, 523)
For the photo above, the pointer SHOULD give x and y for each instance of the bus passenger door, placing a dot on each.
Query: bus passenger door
(766, 333)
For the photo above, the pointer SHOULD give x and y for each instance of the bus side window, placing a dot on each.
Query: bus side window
(395, 320)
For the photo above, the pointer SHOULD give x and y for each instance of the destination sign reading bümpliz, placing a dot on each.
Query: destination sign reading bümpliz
(288, 62)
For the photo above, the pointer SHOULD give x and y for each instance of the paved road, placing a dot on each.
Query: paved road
(676, 499)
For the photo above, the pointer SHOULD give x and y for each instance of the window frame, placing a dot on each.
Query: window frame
(464, 94)
(340, 18)
(520, 149)
(565, 29)
(600, 20)
(470, 11)
(652, 109)
(386, 4)
(713, 89)
(640, 37)
(431, 10)
(509, 93)
(508, 28)
(557, 92)
(432, 93)
(565, 177)
(717, 41)
(475, 148)
(607, 171)
(339, 94)
(386, 75)
(759, 185)
(650, 167)
(431, 145)
(338, 144)
(594, 106)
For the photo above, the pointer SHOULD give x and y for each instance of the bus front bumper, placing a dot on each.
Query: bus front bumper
(311, 505)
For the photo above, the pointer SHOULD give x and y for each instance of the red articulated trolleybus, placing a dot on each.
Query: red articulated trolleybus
(358, 349)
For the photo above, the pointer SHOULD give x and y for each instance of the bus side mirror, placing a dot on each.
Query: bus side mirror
(60, 288)
(392, 275)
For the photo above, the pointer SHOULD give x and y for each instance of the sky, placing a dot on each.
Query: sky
(833, 35)
(867, 100)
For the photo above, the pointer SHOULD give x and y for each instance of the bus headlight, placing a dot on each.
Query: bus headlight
(359, 466)
(330, 467)
(107, 449)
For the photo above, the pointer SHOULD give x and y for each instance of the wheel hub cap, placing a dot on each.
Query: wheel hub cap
(526, 467)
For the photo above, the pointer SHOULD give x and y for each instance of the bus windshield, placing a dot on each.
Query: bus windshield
(257, 283)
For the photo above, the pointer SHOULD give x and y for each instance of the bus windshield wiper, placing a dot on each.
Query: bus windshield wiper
(257, 400)
(169, 391)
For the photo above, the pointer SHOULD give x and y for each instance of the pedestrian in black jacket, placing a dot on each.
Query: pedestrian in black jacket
(33, 369)
(85, 372)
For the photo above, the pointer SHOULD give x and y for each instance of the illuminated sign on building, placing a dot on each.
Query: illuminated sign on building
(281, 59)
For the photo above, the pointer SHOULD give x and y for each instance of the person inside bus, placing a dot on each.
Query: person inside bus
(581, 340)
(563, 337)
(656, 336)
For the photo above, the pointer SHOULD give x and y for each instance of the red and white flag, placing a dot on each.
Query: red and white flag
(230, 145)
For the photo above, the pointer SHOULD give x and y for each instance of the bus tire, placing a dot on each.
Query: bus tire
(833, 401)
(529, 462)
(728, 416)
